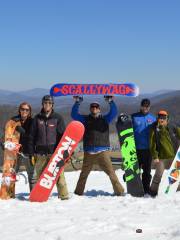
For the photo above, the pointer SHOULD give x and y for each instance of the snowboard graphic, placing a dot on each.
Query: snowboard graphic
(171, 179)
(64, 89)
(11, 149)
(63, 152)
(129, 156)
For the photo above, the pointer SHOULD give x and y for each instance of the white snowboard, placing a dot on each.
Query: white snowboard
(171, 178)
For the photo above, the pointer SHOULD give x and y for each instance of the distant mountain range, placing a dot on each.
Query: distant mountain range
(165, 99)
(34, 96)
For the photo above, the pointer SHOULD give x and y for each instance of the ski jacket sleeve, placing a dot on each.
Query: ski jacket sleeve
(60, 127)
(152, 143)
(75, 113)
(32, 135)
(112, 112)
(178, 132)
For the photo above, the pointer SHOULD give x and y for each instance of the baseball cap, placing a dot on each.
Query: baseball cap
(95, 104)
(145, 102)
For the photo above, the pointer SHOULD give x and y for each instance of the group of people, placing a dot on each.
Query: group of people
(156, 142)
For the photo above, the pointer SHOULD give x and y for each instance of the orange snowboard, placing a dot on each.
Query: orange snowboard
(7, 190)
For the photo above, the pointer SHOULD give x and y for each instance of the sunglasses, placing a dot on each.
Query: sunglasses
(50, 103)
(25, 109)
(145, 106)
(163, 117)
(94, 106)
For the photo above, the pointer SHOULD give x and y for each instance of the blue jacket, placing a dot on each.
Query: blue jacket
(141, 126)
(82, 118)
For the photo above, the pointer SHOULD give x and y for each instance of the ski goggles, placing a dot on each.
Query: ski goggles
(164, 117)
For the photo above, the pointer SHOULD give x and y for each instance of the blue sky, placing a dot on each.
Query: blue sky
(45, 42)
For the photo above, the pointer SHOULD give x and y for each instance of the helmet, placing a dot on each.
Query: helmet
(145, 102)
(48, 98)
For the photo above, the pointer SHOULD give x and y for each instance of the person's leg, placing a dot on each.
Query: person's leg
(105, 163)
(39, 166)
(146, 166)
(62, 187)
(139, 157)
(18, 163)
(30, 170)
(159, 169)
(86, 168)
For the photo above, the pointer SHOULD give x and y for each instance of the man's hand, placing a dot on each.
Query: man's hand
(156, 160)
(20, 130)
(78, 99)
(108, 98)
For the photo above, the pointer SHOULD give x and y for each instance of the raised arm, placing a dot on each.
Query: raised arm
(75, 113)
(112, 112)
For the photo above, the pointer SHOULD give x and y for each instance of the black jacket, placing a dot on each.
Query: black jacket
(96, 132)
(24, 133)
(45, 133)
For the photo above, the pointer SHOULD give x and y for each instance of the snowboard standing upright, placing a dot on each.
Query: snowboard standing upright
(63, 152)
(129, 156)
(171, 179)
(11, 148)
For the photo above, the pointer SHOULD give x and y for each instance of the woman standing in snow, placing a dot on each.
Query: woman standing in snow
(16, 132)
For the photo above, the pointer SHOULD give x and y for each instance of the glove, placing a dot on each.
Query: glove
(156, 160)
(108, 98)
(78, 99)
(20, 130)
(12, 146)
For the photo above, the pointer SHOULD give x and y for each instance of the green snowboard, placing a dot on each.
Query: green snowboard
(129, 156)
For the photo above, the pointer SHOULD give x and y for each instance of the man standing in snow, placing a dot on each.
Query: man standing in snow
(96, 143)
(46, 132)
(163, 145)
(142, 121)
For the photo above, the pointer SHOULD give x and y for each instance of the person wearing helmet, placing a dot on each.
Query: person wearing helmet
(46, 131)
(163, 146)
(96, 143)
(142, 121)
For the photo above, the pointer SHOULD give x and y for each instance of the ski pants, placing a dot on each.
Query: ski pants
(104, 161)
(159, 169)
(29, 168)
(41, 162)
(145, 159)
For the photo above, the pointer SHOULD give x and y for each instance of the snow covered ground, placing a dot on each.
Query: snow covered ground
(96, 215)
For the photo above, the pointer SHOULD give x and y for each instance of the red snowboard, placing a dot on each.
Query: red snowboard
(63, 152)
